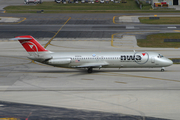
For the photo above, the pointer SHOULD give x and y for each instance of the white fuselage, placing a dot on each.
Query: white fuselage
(92, 60)
(106, 59)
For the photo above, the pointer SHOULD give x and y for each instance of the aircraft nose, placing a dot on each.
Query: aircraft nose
(169, 62)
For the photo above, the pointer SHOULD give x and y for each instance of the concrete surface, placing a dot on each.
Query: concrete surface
(145, 92)
(133, 19)
(37, 112)
(125, 41)
(9, 19)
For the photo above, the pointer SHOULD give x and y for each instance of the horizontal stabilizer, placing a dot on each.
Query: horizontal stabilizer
(20, 39)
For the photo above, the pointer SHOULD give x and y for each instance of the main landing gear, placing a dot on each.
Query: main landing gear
(90, 70)
(162, 69)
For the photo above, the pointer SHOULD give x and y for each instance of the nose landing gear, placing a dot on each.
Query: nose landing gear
(162, 69)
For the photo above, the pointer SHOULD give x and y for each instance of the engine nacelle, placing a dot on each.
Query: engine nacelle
(59, 61)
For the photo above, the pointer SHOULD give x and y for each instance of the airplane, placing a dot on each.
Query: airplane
(92, 60)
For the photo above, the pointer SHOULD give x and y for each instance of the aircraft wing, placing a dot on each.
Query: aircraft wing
(94, 65)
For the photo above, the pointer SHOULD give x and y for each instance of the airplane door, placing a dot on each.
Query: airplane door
(71, 60)
(153, 60)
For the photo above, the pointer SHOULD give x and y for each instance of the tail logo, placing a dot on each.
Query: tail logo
(30, 46)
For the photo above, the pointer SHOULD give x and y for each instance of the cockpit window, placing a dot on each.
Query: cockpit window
(160, 56)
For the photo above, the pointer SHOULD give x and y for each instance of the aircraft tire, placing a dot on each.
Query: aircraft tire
(89, 70)
(162, 69)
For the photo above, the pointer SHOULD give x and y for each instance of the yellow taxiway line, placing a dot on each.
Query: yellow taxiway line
(22, 20)
(56, 33)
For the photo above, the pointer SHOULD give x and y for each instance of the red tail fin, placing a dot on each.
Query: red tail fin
(30, 44)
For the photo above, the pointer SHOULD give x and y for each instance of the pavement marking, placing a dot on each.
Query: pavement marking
(13, 22)
(9, 119)
(171, 27)
(114, 19)
(56, 33)
(22, 20)
(112, 38)
(177, 30)
(124, 18)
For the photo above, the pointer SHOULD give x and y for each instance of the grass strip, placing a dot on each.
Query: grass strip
(52, 7)
(157, 41)
(161, 20)
(130, 5)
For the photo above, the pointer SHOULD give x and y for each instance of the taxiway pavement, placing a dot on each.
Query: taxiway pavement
(79, 26)
(145, 93)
